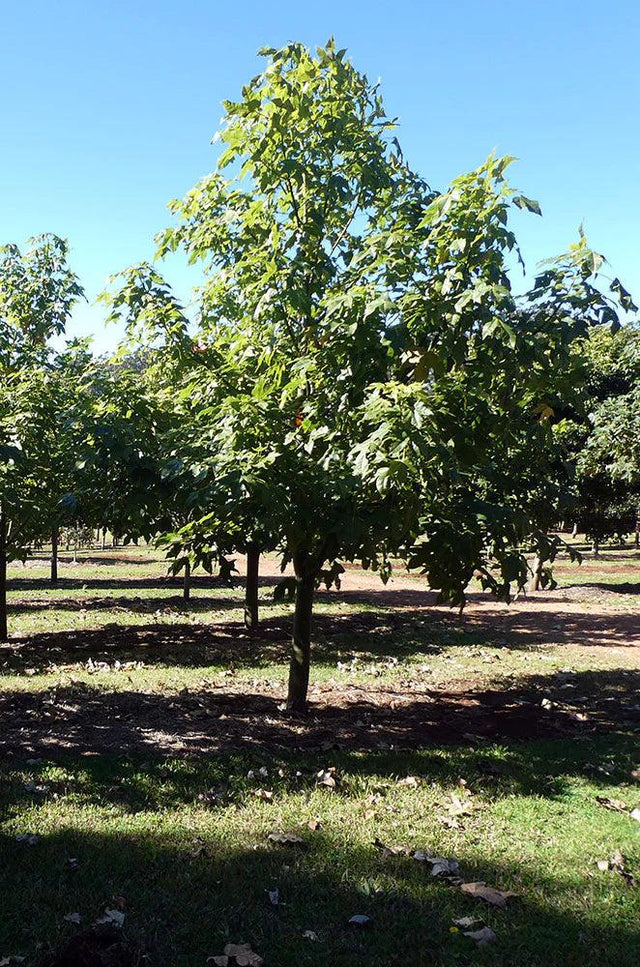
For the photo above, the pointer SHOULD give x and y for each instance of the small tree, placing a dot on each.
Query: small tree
(37, 292)
(385, 374)
(604, 438)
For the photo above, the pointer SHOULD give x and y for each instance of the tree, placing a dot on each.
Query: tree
(37, 292)
(384, 373)
(602, 438)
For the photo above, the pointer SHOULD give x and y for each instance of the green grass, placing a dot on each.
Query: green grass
(181, 843)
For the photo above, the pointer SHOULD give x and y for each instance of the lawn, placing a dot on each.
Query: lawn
(145, 748)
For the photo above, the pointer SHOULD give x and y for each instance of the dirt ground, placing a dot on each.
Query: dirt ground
(231, 711)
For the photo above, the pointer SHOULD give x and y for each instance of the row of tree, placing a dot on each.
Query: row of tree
(360, 382)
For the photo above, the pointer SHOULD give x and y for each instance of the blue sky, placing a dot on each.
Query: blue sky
(108, 110)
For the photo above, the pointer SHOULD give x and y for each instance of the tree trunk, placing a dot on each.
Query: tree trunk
(104, 538)
(251, 616)
(186, 585)
(596, 549)
(54, 556)
(301, 638)
(636, 537)
(534, 584)
(574, 532)
(3, 576)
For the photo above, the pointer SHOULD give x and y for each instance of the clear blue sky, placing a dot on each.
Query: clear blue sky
(108, 109)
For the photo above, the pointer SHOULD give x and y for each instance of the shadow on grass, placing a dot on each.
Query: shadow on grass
(374, 633)
(624, 587)
(142, 605)
(187, 891)
(198, 582)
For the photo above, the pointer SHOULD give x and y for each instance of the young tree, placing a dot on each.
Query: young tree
(37, 292)
(603, 438)
(384, 372)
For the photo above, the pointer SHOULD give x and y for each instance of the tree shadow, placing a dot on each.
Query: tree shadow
(187, 891)
(220, 716)
(198, 582)
(377, 633)
(624, 587)
(141, 605)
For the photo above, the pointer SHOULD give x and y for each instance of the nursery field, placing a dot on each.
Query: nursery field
(151, 776)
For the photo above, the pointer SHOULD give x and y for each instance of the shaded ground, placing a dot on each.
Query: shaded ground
(144, 746)
(221, 717)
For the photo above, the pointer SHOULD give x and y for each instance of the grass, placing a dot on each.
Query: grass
(180, 843)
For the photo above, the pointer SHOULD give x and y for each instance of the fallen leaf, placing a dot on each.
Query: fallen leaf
(73, 918)
(411, 781)
(440, 866)
(388, 851)
(113, 917)
(479, 889)
(314, 825)
(327, 778)
(468, 923)
(614, 804)
(287, 839)
(35, 788)
(617, 863)
(360, 920)
(264, 794)
(310, 935)
(274, 897)
(480, 937)
(459, 808)
(29, 839)
(237, 955)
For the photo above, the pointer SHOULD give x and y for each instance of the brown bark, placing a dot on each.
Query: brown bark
(301, 636)
(251, 614)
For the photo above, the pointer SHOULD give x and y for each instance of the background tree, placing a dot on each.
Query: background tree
(602, 437)
(37, 292)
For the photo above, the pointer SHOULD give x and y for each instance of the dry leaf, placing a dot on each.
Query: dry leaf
(274, 897)
(360, 920)
(287, 839)
(468, 923)
(388, 851)
(412, 781)
(114, 918)
(29, 839)
(264, 794)
(479, 889)
(310, 935)
(459, 808)
(237, 955)
(616, 805)
(328, 778)
(440, 866)
(481, 937)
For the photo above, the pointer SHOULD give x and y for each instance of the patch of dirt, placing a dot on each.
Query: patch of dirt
(222, 715)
